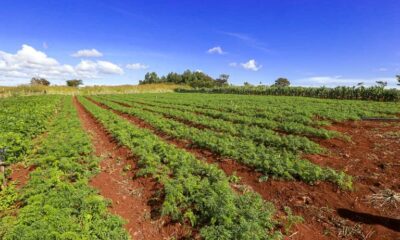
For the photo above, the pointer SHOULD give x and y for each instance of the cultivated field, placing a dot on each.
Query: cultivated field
(202, 166)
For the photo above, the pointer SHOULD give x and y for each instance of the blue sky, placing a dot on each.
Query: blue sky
(311, 42)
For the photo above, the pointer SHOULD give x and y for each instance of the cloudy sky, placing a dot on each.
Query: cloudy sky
(311, 42)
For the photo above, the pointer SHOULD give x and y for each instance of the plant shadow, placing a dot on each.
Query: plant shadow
(391, 223)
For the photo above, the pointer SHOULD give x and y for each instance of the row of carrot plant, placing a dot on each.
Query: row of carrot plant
(194, 191)
(284, 108)
(57, 202)
(21, 120)
(287, 126)
(268, 160)
(263, 136)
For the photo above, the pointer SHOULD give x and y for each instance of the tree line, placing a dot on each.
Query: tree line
(35, 81)
(193, 79)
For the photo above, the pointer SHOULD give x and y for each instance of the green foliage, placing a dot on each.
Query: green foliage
(268, 160)
(57, 202)
(21, 120)
(375, 93)
(194, 79)
(194, 191)
(281, 82)
(40, 81)
(215, 120)
(74, 83)
(8, 196)
(291, 220)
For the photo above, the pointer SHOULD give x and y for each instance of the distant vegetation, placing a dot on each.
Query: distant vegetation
(282, 82)
(193, 79)
(196, 81)
(41, 89)
(376, 93)
(40, 81)
(74, 83)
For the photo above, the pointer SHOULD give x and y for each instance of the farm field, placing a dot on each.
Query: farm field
(198, 166)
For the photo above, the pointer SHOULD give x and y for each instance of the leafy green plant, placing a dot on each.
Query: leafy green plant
(194, 191)
(291, 220)
(57, 202)
(268, 160)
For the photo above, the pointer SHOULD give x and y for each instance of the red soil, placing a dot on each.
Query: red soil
(329, 212)
(132, 198)
(20, 174)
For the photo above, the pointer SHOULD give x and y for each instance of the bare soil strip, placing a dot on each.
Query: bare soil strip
(131, 197)
(329, 213)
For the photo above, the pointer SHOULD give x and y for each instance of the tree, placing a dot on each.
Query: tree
(39, 81)
(247, 84)
(398, 80)
(173, 77)
(74, 83)
(282, 82)
(381, 83)
(150, 77)
(194, 79)
(222, 80)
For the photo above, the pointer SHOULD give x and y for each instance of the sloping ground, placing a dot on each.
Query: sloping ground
(131, 197)
(373, 159)
(328, 211)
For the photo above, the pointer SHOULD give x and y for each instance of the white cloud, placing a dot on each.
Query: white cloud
(233, 64)
(251, 65)
(216, 50)
(29, 62)
(382, 69)
(109, 68)
(136, 66)
(87, 53)
(45, 45)
(91, 69)
(333, 81)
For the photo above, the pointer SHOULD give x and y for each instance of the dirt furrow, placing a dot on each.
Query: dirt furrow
(132, 197)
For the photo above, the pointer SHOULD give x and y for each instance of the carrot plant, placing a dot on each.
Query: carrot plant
(259, 135)
(21, 120)
(194, 191)
(57, 202)
(267, 160)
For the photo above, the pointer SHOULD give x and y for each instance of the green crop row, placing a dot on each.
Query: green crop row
(283, 125)
(57, 202)
(271, 112)
(364, 93)
(287, 108)
(269, 161)
(194, 192)
(258, 135)
(21, 120)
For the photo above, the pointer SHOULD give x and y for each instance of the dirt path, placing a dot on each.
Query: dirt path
(131, 197)
(328, 211)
